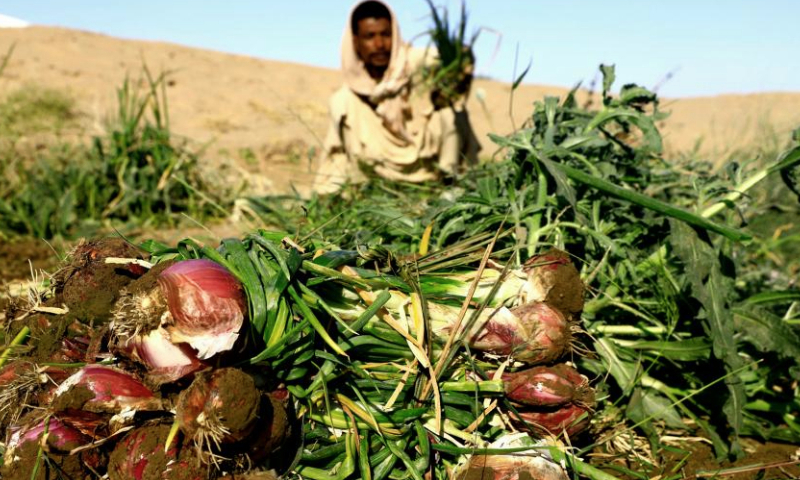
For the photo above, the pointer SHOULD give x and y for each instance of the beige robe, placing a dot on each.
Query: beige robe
(390, 128)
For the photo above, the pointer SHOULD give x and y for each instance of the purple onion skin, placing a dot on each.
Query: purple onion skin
(536, 333)
(166, 362)
(203, 296)
(112, 390)
(207, 305)
(571, 419)
(60, 437)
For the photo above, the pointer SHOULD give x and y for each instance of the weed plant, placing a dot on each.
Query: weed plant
(136, 174)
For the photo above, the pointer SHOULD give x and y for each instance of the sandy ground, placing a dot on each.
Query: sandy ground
(264, 115)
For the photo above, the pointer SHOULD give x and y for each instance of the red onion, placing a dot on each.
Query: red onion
(197, 302)
(221, 406)
(552, 278)
(532, 464)
(99, 388)
(60, 437)
(533, 333)
(142, 455)
(546, 386)
(165, 361)
(207, 305)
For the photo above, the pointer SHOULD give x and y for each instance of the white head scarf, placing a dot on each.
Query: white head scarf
(390, 95)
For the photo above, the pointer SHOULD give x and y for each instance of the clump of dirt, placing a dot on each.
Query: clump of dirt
(88, 286)
(55, 338)
(73, 399)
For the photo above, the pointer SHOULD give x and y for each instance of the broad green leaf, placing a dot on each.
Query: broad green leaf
(608, 78)
(767, 331)
(713, 290)
(562, 184)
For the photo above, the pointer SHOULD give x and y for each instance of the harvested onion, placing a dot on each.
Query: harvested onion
(197, 302)
(221, 406)
(548, 386)
(571, 418)
(533, 333)
(60, 438)
(98, 388)
(165, 361)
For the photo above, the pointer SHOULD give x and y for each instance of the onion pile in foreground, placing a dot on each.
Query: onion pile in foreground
(258, 359)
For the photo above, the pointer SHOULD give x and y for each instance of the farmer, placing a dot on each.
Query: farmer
(382, 122)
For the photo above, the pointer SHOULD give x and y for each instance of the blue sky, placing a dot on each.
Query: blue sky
(712, 46)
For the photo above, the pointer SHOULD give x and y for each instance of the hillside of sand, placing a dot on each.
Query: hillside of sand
(264, 115)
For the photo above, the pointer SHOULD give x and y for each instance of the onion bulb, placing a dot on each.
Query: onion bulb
(571, 418)
(533, 333)
(142, 455)
(552, 278)
(165, 361)
(98, 388)
(60, 438)
(220, 406)
(197, 302)
(525, 465)
(548, 386)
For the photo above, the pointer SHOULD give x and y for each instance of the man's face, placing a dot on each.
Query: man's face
(373, 41)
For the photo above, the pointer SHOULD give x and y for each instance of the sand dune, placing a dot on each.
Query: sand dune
(260, 113)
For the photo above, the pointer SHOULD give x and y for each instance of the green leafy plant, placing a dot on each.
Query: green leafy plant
(664, 253)
(136, 174)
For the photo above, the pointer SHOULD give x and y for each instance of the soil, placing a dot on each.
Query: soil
(88, 286)
(763, 461)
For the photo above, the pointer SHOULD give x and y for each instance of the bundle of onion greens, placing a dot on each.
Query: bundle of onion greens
(263, 355)
(449, 77)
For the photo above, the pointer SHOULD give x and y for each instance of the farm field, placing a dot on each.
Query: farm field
(681, 232)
